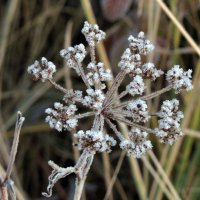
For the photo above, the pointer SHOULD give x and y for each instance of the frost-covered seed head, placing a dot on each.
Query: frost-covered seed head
(73, 96)
(74, 55)
(94, 99)
(95, 141)
(97, 74)
(168, 136)
(179, 79)
(136, 86)
(61, 117)
(138, 111)
(138, 144)
(169, 109)
(149, 71)
(140, 45)
(169, 130)
(92, 33)
(43, 72)
(130, 62)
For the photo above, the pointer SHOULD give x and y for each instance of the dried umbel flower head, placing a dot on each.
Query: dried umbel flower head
(106, 106)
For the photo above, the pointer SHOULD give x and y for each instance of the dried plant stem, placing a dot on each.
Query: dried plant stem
(119, 78)
(92, 54)
(157, 93)
(82, 73)
(123, 94)
(57, 86)
(79, 116)
(4, 184)
(132, 124)
(113, 127)
(4, 192)
(146, 97)
(18, 126)
(81, 181)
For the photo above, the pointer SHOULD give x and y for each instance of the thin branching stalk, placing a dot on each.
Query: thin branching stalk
(132, 124)
(82, 73)
(57, 86)
(87, 114)
(118, 80)
(145, 97)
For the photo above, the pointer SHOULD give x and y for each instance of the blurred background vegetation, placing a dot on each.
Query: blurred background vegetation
(35, 28)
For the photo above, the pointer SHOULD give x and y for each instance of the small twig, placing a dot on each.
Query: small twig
(118, 79)
(113, 127)
(92, 54)
(82, 73)
(85, 169)
(13, 153)
(122, 94)
(132, 124)
(57, 86)
(7, 183)
(145, 97)
(157, 93)
(87, 114)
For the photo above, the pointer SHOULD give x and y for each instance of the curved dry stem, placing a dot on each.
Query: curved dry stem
(80, 170)
(57, 173)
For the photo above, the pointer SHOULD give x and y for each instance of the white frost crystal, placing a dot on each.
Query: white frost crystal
(92, 33)
(138, 111)
(136, 86)
(94, 141)
(137, 144)
(179, 79)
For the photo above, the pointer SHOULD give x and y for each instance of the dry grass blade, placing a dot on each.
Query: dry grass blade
(164, 175)
(157, 178)
(179, 26)
(119, 164)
